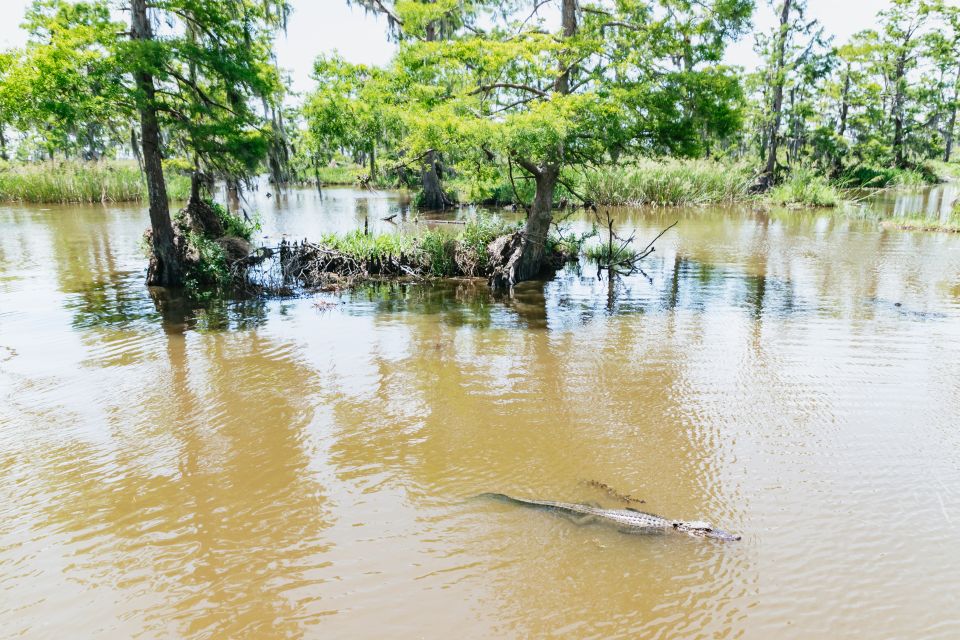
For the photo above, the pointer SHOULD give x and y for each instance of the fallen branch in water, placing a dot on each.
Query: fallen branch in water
(618, 255)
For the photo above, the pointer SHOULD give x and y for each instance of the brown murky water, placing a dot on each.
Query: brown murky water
(260, 470)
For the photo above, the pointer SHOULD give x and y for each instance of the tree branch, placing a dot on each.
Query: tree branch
(508, 85)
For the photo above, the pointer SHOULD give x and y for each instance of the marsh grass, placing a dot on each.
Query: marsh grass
(433, 252)
(339, 174)
(668, 183)
(920, 222)
(68, 182)
(805, 188)
(604, 254)
(869, 177)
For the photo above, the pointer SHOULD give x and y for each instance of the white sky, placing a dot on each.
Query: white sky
(319, 26)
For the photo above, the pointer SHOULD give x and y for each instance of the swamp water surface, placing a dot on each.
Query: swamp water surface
(270, 469)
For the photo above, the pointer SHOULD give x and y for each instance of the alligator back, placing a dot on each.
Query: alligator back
(627, 520)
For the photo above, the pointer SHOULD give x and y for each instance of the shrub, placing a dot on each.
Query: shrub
(207, 271)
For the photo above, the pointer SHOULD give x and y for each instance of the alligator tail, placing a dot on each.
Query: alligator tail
(499, 497)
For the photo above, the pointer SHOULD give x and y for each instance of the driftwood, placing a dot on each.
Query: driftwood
(619, 257)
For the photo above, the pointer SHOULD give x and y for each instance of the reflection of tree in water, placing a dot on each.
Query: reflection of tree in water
(458, 303)
(91, 249)
(211, 506)
(461, 409)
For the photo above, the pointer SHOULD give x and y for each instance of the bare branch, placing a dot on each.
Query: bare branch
(508, 85)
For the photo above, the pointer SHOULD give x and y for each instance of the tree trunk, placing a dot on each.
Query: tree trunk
(951, 123)
(898, 119)
(165, 267)
(3, 143)
(316, 176)
(951, 127)
(844, 116)
(569, 22)
(770, 167)
(520, 256)
(373, 163)
(845, 105)
(432, 196)
(195, 182)
(135, 147)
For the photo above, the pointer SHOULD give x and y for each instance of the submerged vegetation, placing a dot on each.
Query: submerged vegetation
(63, 182)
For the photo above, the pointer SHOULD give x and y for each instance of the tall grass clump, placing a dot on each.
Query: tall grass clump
(606, 254)
(804, 187)
(433, 252)
(368, 247)
(68, 182)
(668, 183)
(869, 177)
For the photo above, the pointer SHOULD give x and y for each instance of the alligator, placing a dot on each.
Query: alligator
(626, 520)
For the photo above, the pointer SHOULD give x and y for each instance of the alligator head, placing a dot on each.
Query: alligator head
(704, 530)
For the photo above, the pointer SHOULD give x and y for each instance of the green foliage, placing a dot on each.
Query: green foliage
(367, 247)
(349, 110)
(72, 89)
(214, 76)
(209, 273)
(945, 171)
(65, 84)
(491, 100)
(81, 182)
(804, 187)
(207, 268)
(234, 225)
(668, 183)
